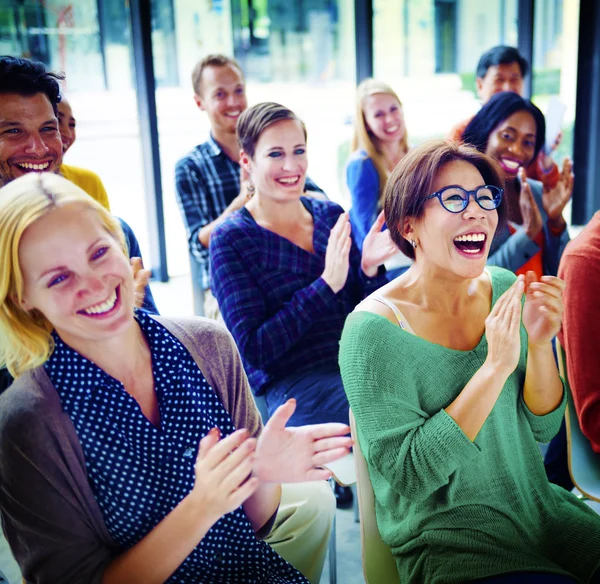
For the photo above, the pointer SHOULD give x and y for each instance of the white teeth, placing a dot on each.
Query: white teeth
(288, 181)
(104, 307)
(29, 166)
(392, 129)
(471, 237)
(510, 163)
(233, 114)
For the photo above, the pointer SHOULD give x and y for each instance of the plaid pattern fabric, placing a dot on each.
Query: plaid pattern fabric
(206, 182)
(283, 316)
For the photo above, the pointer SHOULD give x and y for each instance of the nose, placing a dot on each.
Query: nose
(516, 149)
(36, 145)
(473, 210)
(91, 284)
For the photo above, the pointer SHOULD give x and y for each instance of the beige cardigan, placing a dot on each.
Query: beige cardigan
(49, 514)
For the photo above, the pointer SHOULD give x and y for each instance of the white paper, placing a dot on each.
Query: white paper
(554, 119)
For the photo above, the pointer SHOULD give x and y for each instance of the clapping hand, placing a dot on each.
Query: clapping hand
(555, 200)
(141, 277)
(377, 247)
(542, 313)
(337, 254)
(532, 218)
(296, 454)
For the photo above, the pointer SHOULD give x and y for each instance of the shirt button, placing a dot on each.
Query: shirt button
(188, 452)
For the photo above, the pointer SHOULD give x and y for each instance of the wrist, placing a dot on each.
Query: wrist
(557, 226)
(194, 508)
(369, 271)
(539, 348)
(495, 371)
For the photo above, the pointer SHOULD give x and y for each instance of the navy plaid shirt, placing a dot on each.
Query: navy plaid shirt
(283, 316)
(206, 182)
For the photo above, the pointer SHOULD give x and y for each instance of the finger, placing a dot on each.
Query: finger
(136, 264)
(239, 496)
(318, 474)
(231, 478)
(542, 290)
(379, 222)
(554, 281)
(567, 168)
(238, 458)
(330, 455)
(141, 279)
(332, 443)
(530, 278)
(207, 442)
(281, 416)
(224, 447)
(522, 177)
(327, 430)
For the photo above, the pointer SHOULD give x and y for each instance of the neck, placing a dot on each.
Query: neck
(439, 290)
(269, 212)
(228, 142)
(392, 152)
(121, 356)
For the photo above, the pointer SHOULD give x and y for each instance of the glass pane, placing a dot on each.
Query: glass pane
(556, 38)
(428, 51)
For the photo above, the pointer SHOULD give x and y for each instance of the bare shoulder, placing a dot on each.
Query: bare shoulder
(378, 302)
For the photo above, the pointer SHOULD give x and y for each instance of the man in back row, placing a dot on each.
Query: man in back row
(500, 69)
(209, 181)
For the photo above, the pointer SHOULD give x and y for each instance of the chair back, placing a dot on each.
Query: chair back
(379, 565)
(584, 463)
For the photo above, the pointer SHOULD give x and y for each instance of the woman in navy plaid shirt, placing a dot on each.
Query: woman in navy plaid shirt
(286, 272)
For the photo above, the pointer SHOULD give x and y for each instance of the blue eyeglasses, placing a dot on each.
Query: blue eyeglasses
(456, 199)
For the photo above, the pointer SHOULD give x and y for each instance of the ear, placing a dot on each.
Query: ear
(479, 85)
(408, 230)
(198, 101)
(245, 162)
(24, 304)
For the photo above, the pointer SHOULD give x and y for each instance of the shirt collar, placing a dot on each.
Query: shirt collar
(214, 146)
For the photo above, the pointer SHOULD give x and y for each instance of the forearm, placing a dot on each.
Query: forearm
(473, 405)
(543, 389)
(263, 504)
(163, 550)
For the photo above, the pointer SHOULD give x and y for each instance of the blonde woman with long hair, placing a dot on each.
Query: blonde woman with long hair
(131, 447)
(380, 141)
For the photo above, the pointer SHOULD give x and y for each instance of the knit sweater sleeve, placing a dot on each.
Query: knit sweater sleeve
(414, 451)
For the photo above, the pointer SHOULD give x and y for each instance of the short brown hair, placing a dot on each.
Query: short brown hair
(255, 120)
(412, 180)
(215, 60)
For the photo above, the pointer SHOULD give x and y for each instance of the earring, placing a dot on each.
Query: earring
(413, 243)
(250, 189)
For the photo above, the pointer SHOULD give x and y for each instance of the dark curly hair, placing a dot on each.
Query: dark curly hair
(27, 78)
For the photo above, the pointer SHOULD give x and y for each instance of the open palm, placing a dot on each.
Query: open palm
(296, 454)
(555, 199)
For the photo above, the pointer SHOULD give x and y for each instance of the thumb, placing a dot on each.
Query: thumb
(208, 442)
(376, 227)
(282, 415)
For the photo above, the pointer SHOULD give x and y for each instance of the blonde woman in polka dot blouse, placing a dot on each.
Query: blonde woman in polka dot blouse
(130, 444)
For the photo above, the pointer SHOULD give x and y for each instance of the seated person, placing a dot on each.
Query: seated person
(501, 69)
(86, 179)
(209, 182)
(580, 269)
(453, 382)
(379, 142)
(286, 272)
(143, 458)
(511, 130)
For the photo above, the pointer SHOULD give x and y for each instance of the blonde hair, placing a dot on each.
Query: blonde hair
(364, 138)
(25, 339)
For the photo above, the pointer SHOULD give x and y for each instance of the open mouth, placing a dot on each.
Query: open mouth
(509, 165)
(233, 114)
(104, 308)
(392, 129)
(31, 167)
(288, 181)
(470, 244)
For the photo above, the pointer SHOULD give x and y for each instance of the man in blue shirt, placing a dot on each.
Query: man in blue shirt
(209, 181)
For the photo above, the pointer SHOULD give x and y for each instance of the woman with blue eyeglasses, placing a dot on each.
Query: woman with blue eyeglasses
(451, 377)
(512, 130)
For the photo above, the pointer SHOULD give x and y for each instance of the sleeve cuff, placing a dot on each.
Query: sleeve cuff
(545, 427)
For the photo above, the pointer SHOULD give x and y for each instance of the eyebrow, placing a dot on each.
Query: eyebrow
(60, 268)
(4, 123)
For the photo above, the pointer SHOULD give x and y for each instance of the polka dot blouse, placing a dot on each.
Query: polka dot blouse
(139, 472)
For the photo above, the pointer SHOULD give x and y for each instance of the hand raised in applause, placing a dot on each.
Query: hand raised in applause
(377, 247)
(532, 218)
(295, 454)
(222, 471)
(502, 329)
(141, 277)
(555, 199)
(337, 255)
(542, 313)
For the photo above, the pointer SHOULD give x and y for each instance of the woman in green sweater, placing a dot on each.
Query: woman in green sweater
(450, 374)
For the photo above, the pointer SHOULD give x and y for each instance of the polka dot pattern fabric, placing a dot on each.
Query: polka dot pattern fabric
(140, 472)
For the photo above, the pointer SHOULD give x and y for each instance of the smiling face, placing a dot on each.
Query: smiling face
(498, 78)
(66, 124)
(454, 242)
(384, 118)
(29, 136)
(222, 97)
(512, 143)
(278, 167)
(76, 274)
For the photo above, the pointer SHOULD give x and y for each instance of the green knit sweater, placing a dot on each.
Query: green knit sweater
(453, 510)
